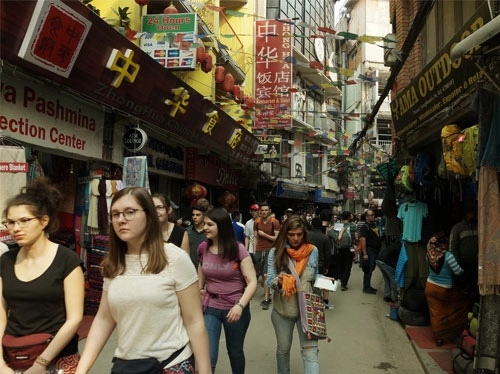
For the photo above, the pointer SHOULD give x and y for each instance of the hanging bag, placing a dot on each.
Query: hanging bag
(312, 310)
(21, 352)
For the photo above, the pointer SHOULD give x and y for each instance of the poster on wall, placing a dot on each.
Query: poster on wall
(168, 39)
(269, 147)
(135, 172)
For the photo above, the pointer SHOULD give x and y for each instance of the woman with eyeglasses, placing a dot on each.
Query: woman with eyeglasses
(448, 306)
(172, 232)
(150, 294)
(41, 282)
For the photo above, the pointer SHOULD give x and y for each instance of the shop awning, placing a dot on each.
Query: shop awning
(110, 69)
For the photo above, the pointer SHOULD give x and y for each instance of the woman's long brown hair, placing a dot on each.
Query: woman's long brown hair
(113, 263)
(281, 258)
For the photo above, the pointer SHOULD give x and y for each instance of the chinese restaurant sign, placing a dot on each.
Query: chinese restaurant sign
(168, 39)
(54, 37)
(273, 76)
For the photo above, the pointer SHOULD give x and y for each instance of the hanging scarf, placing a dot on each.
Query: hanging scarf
(301, 256)
(436, 249)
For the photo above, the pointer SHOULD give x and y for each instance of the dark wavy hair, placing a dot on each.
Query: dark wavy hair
(113, 263)
(43, 199)
(228, 245)
(280, 256)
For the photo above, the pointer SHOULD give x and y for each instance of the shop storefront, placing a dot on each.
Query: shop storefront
(75, 94)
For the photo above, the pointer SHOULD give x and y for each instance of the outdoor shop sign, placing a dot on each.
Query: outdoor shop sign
(135, 139)
(292, 190)
(440, 82)
(168, 39)
(37, 114)
(113, 71)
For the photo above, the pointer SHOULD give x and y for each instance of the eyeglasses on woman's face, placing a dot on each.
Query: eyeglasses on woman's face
(128, 215)
(21, 222)
(160, 208)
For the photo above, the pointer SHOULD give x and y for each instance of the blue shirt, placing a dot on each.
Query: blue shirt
(445, 276)
(239, 231)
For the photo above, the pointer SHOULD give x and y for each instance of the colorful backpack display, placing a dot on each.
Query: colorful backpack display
(452, 151)
(468, 140)
(405, 178)
(422, 169)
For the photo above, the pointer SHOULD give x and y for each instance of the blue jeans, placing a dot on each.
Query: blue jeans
(389, 274)
(235, 337)
(283, 328)
(367, 276)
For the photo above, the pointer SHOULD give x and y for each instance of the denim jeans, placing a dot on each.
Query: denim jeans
(367, 276)
(283, 328)
(235, 333)
(389, 274)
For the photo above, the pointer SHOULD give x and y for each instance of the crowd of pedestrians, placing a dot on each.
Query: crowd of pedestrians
(169, 291)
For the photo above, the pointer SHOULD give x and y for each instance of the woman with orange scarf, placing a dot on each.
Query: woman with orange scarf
(292, 243)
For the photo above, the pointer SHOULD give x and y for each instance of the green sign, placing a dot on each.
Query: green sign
(169, 23)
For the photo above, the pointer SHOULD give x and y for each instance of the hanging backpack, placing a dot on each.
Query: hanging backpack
(422, 169)
(452, 151)
(405, 178)
(468, 140)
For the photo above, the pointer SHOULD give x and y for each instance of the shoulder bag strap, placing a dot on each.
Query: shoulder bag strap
(291, 266)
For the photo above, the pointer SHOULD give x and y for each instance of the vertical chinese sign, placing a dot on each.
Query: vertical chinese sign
(273, 76)
(54, 37)
(168, 39)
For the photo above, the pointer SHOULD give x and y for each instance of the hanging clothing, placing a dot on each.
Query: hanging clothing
(93, 210)
(412, 214)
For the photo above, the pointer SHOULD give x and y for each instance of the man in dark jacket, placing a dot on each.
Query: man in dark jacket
(322, 242)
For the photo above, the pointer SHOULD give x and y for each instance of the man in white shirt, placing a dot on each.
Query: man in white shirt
(249, 234)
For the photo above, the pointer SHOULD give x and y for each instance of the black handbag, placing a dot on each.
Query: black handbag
(142, 365)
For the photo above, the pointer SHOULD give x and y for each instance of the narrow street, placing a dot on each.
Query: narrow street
(364, 340)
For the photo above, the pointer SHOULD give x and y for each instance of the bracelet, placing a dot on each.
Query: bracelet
(42, 361)
(240, 305)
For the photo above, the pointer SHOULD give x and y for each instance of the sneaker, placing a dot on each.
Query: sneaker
(373, 289)
(265, 304)
(370, 291)
(344, 288)
(329, 306)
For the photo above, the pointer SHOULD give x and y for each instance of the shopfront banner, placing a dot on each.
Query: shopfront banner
(292, 190)
(13, 173)
(440, 83)
(38, 114)
(323, 196)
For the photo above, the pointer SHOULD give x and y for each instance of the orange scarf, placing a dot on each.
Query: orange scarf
(301, 256)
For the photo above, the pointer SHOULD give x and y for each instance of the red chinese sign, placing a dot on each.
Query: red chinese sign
(273, 75)
(54, 37)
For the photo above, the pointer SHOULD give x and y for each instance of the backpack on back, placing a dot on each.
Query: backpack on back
(452, 151)
(345, 241)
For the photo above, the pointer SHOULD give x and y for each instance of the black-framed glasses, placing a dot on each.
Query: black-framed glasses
(128, 214)
(22, 222)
